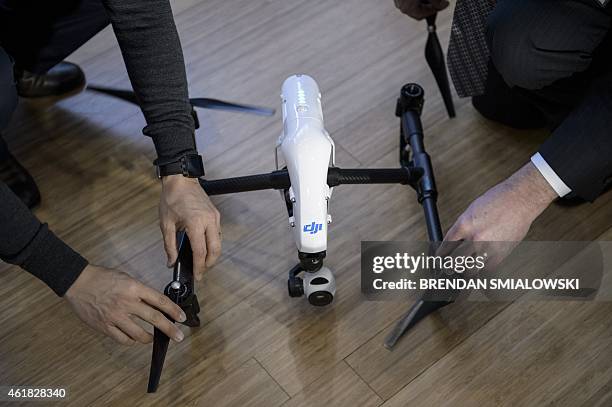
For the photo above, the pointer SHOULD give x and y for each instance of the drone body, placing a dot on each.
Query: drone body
(308, 151)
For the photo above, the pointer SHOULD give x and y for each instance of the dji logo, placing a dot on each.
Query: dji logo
(313, 228)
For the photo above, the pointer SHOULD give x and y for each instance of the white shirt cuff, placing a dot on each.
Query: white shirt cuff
(550, 175)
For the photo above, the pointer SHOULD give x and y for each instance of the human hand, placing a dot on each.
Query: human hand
(419, 9)
(185, 206)
(108, 300)
(504, 213)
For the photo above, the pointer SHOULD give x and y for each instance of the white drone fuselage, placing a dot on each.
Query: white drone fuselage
(307, 150)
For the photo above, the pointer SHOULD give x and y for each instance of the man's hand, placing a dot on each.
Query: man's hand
(108, 300)
(506, 211)
(420, 9)
(502, 214)
(185, 206)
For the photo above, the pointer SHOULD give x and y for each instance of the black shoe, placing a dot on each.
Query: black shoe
(62, 79)
(17, 178)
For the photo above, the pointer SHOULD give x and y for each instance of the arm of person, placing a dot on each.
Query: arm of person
(579, 151)
(576, 158)
(152, 53)
(104, 299)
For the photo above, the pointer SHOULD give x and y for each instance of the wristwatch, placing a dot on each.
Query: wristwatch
(189, 165)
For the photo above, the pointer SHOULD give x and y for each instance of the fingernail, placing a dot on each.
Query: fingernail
(182, 317)
(179, 336)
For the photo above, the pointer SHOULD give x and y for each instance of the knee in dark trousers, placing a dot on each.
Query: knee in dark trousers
(8, 93)
(536, 43)
(40, 34)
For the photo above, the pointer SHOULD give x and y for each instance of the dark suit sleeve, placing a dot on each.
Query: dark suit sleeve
(152, 52)
(26, 242)
(580, 148)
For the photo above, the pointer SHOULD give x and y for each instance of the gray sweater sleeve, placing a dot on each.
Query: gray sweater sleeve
(26, 242)
(152, 52)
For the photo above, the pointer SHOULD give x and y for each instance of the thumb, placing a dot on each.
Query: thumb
(169, 233)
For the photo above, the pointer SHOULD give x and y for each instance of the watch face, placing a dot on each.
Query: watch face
(193, 166)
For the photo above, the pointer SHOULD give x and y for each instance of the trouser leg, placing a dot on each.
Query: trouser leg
(547, 52)
(8, 97)
(505, 105)
(11, 172)
(40, 34)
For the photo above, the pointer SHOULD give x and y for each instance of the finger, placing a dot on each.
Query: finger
(158, 320)
(197, 237)
(414, 9)
(439, 4)
(161, 302)
(119, 336)
(497, 252)
(447, 247)
(213, 245)
(169, 233)
(134, 331)
(465, 249)
(423, 11)
(456, 232)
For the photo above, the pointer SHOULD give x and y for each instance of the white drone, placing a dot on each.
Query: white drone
(306, 184)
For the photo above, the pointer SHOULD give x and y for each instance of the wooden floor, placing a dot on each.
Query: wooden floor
(257, 346)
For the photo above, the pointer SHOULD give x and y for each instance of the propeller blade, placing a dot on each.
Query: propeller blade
(126, 95)
(216, 104)
(435, 59)
(160, 347)
(205, 103)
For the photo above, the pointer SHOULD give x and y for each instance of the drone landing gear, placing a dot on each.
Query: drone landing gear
(413, 155)
(318, 286)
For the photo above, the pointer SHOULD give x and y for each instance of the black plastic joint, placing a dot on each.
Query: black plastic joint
(411, 98)
(311, 261)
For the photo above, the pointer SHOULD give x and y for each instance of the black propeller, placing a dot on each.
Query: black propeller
(181, 292)
(160, 347)
(205, 103)
(216, 104)
(435, 59)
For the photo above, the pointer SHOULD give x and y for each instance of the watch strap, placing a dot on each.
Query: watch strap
(188, 165)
